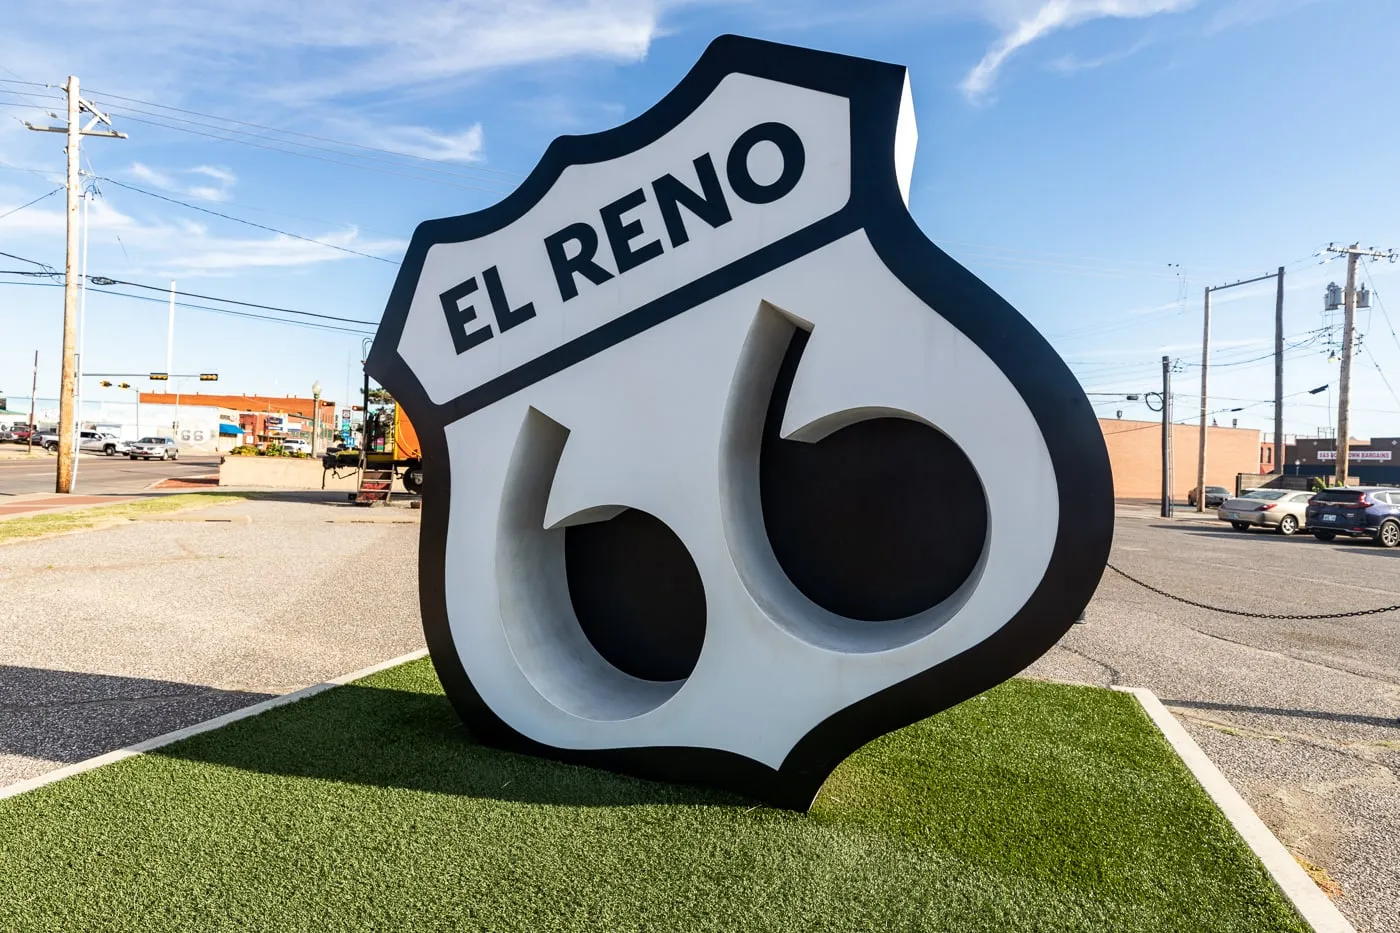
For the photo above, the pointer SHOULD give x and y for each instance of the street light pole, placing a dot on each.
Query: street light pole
(315, 414)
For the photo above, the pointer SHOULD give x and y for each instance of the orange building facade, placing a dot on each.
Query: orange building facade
(1135, 453)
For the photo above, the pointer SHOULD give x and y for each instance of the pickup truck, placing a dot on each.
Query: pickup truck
(103, 443)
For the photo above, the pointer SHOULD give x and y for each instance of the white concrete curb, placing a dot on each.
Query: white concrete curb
(1315, 907)
(131, 751)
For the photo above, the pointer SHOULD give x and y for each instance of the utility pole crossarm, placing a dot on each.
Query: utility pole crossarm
(67, 413)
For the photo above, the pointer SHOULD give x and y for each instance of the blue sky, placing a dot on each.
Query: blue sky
(1098, 162)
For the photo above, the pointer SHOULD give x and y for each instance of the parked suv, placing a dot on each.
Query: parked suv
(1356, 513)
(148, 448)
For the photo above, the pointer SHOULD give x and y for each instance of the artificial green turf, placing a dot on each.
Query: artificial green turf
(1036, 807)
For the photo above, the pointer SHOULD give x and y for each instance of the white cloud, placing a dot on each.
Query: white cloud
(1023, 23)
(1068, 64)
(219, 173)
(224, 254)
(170, 180)
(148, 174)
(463, 146)
(163, 247)
(330, 50)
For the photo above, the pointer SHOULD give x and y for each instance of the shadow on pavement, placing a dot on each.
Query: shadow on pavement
(386, 737)
(1292, 713)
(69, 716)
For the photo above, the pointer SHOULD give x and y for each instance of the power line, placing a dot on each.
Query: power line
(30, 203)
(273, 129)
(464, 172)
(102, 280)
(246, 304)
(308, 155)
(239, 220)
(198, 307)
(1385, 316)
(49, 270)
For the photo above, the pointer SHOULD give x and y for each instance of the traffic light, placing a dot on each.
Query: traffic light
(159, 377)
(123, 385)
(105, 384)
(208, 377)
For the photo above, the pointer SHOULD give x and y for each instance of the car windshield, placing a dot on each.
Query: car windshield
(149, 440)
(1217, 490)
(1264, 494)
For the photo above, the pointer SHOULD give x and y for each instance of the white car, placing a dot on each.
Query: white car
(1284, 510)
(154, 448)
(296, 446)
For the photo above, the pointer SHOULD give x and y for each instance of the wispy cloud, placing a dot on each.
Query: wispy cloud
(1071, 63)
(1024, 23)
(170, 180)
(463, 146)
(361, 46)
(186, 247)
(223, 176)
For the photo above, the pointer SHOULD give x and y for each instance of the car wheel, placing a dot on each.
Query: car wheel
(110, 450)
(1240, 526)
(1389, 535)
(1324, 535)
(131, 456)
(1288, 525)
(174, 455)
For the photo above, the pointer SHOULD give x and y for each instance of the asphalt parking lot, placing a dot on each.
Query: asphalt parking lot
(1302, 716)
(119, 634)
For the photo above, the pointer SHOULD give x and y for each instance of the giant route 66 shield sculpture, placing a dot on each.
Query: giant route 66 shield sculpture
(728, 469)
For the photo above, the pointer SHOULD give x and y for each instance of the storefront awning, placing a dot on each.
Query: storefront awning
(226, 430)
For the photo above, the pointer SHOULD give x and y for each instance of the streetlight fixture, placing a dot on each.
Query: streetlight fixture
(315, 413)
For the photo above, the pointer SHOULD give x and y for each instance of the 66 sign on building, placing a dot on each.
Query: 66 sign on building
(715, 441)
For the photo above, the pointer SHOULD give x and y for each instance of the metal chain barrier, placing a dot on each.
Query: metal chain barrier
(1254, 615)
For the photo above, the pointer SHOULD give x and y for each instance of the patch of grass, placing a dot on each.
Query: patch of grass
(1035, 807)
(1319, 876)
(48, 523)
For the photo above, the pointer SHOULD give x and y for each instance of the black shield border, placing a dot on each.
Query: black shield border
(1067, 421)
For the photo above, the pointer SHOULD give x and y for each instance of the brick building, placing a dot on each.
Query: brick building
(263, 418)
(1135, 453)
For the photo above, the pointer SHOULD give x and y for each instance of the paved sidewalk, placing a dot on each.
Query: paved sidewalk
(123, 633)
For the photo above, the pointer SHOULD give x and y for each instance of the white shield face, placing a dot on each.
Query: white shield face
(728, 470)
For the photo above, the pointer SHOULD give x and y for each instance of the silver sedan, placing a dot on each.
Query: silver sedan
(1281, 509)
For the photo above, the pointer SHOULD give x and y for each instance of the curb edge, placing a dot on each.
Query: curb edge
(140, 748)
(1315, 907)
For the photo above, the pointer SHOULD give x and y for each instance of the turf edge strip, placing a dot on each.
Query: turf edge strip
(131, 751)
(1315, 907)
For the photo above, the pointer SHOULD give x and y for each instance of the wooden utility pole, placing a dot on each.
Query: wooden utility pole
(1278, 376)
(1205, 364)
(33, 391)
(68, 381)
(1344, 395)
(1166, 437)
(1353, 253)
(1205, 369)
